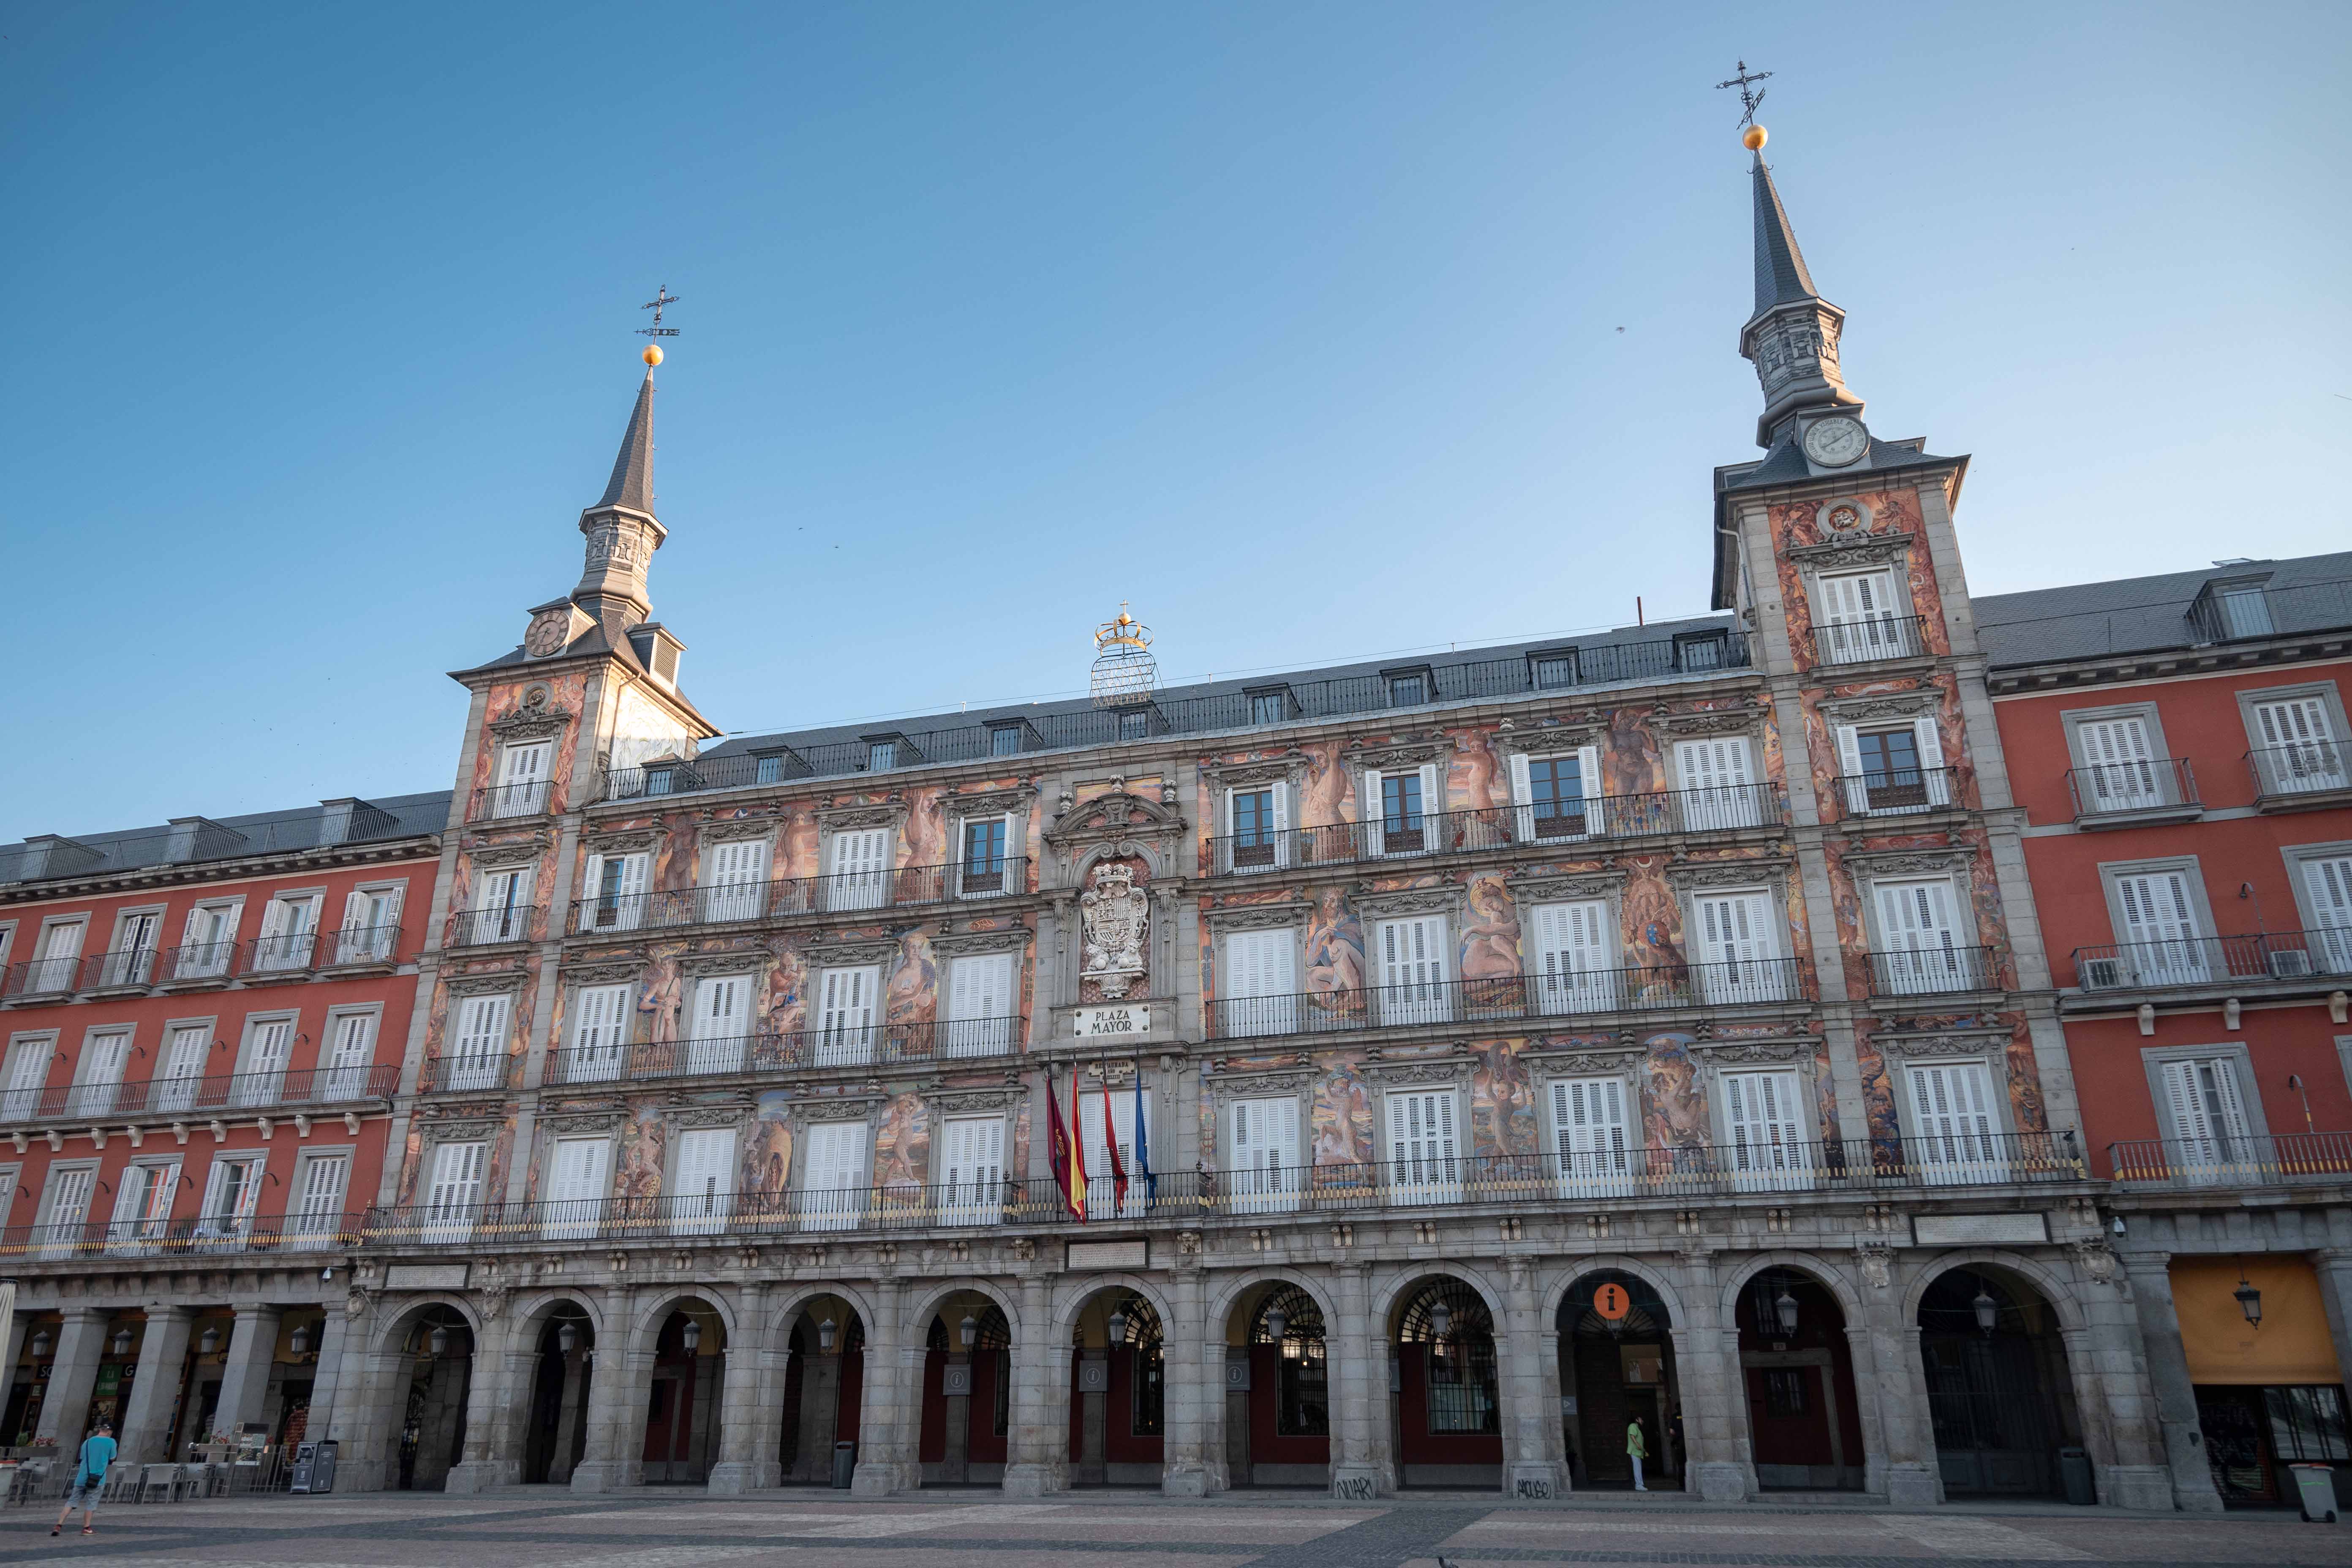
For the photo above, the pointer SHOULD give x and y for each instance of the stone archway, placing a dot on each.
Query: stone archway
(2000, 1400)
(431, 1366)
(966, 1422)
(1446, 1404)
(561, 1340)
(1796, 1367)
(824, 1388)
(686, 1395)
(1617, 1369)
(1278, 1388)
(1117, 1413)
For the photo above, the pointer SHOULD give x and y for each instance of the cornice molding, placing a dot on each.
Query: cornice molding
(991, 802)
(1913, 862)
(1453, 1070)
(840, 955)
(703, 965)
(958, 1099)
(485, 985)
(1852, 549)
(1729, 873)
(486, 856)
(1540, 887)
(635, 841)
(1257, 770)
(737, 830)
(832, 818)
(953, 943)
(602, 974)
(1257, 917)
(1412, 902)
(1286, 1081)
(845, 1108)
(1883, 705)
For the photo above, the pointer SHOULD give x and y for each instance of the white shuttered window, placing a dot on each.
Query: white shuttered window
(2117, 764)
(1573, 957)
(838, 1174)
(859, 869)
(1765, 1112)
(1424, 1158)
(600, 1022)
(2163, 938)
(722, 1018)
(2211, 1139)
(735, 880)
(1411, 962)
(453, 1192)
(1718, 780)
(1590, 1136)
(703, 1186)
(1739, 946)
(1266, 1174)
(971, 1173)
(2328, 888)
(1101, 1191)
(1920, 950)
(1260, 984)
(477, 1056)
(1954, 1136)
(979, 1005)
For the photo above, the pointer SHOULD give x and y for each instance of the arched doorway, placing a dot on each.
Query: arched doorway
(1804, 1420)
(825, 1384)
(1617, 1369)
(682, 1407)
(967, 1394)
(1447, 1404)
(1277, 1391)
(557, 1435)
(1998, 1388)
(1118, 1389)
(438, 1352)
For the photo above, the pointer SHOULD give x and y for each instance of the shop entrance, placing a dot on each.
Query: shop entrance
(1617, 1368)
(1998, 1390)
(1804, 1422)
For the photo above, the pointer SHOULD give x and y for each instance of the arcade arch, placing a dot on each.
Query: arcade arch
(1445, 1409)
(1999, 1398)
(1804, 1411)
(686, 1393)
(967, 1399)
(1118, 1389)
(431, 1351)
(825, 1383)
(563, 1357)
(1617, 1369)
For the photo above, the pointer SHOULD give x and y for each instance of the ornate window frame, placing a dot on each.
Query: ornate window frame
(890, 816)
(1986, 1047)
(1867, 869)
(1421, 1075)
(1227, 1089)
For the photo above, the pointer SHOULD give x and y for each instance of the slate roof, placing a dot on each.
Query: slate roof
(261, 833)
(632, 484)
(2135, 614)
(1781, 276)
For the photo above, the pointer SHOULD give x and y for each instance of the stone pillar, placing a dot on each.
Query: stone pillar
(1532, 1450)
(892, 1412)
(753, 1392)
(245, 1375)
(820, 1413)
(614, 1454)
(1186, 1469)
(330, 1376)
(2150, 1274)
(82, 1344)
(1718, 1459)
(1362, 1465)
(498, 1405)
(1038, 1459)
(2107, 1363)
(955, 1467)
(163, 1356)
(1898, 1443)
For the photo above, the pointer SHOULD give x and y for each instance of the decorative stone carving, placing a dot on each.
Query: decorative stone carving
(606, 1121)
(1884, 705)
(641, 840)
(1955, 1044)
(958, 1099)
(1228, 774)
(831, 818)
(485, 855)
(1736, 720)
(486, 984)
(462, 1132)
(948, 944)
(603, 973)
(1404, 1073)
(994, 803)
(2097, 1260)
(710, 1116)
(1838, 555)
(834, 955)
(1603, 884)
(836, 1109)
(1595, 1063)
(1411, 902)
(739, 830)
(1844, 519)
(1115, 917)
(532, 723)
(1877, 1261)
(1256, 917)
(1388, 758)
(1725, 873)
(703, 965)
(1910, 862)
(1754, 1050)
(1264, 1082)
(357, 1304)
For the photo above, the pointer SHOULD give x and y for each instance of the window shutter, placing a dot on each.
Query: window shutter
(1929, 737)
(69, 1198)
(1736, 940)
(1849, 745)
(1265, 1164)
(2161, 928)
(1714, 773)
(1765, 1132)
(1919, 952)
(1099, 1186)
(845, 1015)
(1523, 795)
(1412, 958)
(1588, 788)
(183, 1068)
(101, 1073)
(1572, 963)
(1260, 992)
(2328, 887)
(480, 1056)
(973, 1171)
(1951, 1114)
(324, 1179)
(1588, 1127)
(736, 881)
(2120, 764)
(1374, 811)
(1433, 792)
(2208, 1118)
(860, 858)
(576, 1172)
(2298, 721)
(1421, 1142)
(837, 1176)
(270, 1043)
(600, 1019)
(699, 1198)
(457, 1176)
(722, 1008)
(979, 1004)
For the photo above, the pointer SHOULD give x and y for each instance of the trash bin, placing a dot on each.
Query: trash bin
(306, 1456)
(2317, 1485)
(2074, 1471)
(845, 1465)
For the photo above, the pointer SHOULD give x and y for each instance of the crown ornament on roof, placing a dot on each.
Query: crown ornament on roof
(1124, 671)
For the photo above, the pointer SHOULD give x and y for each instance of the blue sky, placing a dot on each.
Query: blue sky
(1315, 330)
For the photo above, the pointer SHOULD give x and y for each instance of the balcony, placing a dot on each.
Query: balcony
(1662, 988)
(2130, 794)
(287, 957)
(1668, 813)
(489, 928)
(360, 947)
(460, 1071)
(1198, 1197)
(737, 902)
(1933, 971)
(185, 1236)
(870, 1045)
(38, 978)
(1869, 640)
(2284, 958)
(1898, 792)
(2233, 1162)
(197, 964)
(2300, 777)
(196, 1097)
(123, 969)
(515, 800)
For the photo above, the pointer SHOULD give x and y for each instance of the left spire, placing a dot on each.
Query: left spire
(632, 484)
(622, 531)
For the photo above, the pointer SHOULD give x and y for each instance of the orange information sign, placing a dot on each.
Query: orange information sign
(1612, 1301)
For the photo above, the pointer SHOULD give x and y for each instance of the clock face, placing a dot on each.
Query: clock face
(546, 635)
(1834, 443)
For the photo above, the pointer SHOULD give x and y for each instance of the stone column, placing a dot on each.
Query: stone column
(163, 1356)
(498, 1405)
(329, 1377)
(1038, 1455)
(892, 1409)
(1361, 1462)
(1718, 1459)
(2150, 1274)
(2107, 1365)
(82, 1344)
(613, 1456)
(1532, 1452)
(1093, 1389)
(1186, 1469)
(245, 1375)
(754, 1390)
(1898, 1443)
(955, 1466)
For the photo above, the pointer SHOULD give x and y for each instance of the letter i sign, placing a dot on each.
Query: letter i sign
(1612, 1302)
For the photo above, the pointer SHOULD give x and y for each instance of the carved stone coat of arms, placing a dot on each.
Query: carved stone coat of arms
(1115, 917)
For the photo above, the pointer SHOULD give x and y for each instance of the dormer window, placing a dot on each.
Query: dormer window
(661, 781)
(2233, 607)
(1552, 669)
(1272, 705)
(1703, 650)
(881, 756)
(1135, 724)
(1409, 687)
(1011, 739)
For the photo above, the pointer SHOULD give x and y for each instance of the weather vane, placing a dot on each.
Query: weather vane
(1750, 95)
(661, 296)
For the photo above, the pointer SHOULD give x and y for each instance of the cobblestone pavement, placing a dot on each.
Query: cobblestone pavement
(525, 1527)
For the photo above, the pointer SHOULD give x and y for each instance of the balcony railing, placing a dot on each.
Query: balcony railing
(288, 955)
(43, 977)
(1933, 971)
(124, 969)
(511, 800)
(486, 928)
(184, 1236)
(2285, 956)
(2226, 1161)
(2124, 789)
(472, 1071)
(1424, 833)
(193, 1096)
(1708, 652)
(867, 1045)
(1190, 1198)
(196, 962)
(1898, 792)
(356, 946)
(2311, 767)
(739, 901)
(1858, 642)
(144, 968)
(1513, 996)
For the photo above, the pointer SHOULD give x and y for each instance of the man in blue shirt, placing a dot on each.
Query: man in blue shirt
(89, 1474)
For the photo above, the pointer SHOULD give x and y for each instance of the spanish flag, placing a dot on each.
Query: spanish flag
(1069, 1162)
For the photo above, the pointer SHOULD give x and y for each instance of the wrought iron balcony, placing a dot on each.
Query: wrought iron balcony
(1666, 813)
(2284, 957)
(1859, 642)
(2110, 793)
(738, 901)
(500, 801)
(34, 977)
(123, 969)
(1934, 971)
(358, 946)
(196, 1097)
(486, 928)
(2233, 1162)
(459, 1071)
(2300, 774)
(285, 957)
(198, 963)
(854, 1045)
(1193, 1197)
(1664, 987)
(1898, 792)
(184, 1236)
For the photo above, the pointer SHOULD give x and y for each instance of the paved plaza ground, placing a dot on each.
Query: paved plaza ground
(526, 1526)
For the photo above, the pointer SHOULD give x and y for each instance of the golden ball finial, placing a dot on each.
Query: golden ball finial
(652, 356)
(1752, 138)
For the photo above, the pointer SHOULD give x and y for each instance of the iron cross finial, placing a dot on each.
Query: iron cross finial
(661, 296)
(1750, 95)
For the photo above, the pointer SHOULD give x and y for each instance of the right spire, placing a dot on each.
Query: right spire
(1792, 338)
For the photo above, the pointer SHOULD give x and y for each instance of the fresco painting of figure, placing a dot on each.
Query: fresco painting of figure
(767, 1149)
(902, 1146)
(787, 1010)
(1474, 778)
(1883, 1125)
(644, 1141)
(1631, 763)
(412, 1165)
(1826, 1096)
(1488, 961)
(1653, 927)
(1334, 955)
(911, 995)
(1329, 796)
(660, 1004)
(923, 836)
(1340, 1123)
(1502, 1099)
(2025, 1080)
(1674, 1103)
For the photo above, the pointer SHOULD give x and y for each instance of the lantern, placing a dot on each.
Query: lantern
(301, 1340)
(438, 1341)
(1988, 1310)
(824, 1335)
(1275, 1323)
(1784, 1306)
(2250, 1301)
(691, 1335)
(1118, 1326)
(968, 1330)
(567, 1338)
(122, 1341)
(41, 1344)
(208, 1342)
(1441, 1320)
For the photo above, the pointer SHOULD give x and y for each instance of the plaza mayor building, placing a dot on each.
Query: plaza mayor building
(1377, 1077)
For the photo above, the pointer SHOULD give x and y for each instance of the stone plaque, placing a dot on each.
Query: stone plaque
(1961, 1229)
(1127, 1018)
(955, 1378)
(1135, 1254)
(424, 1277)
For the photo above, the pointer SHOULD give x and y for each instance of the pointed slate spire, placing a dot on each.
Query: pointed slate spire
(1780, 275)
(1792, 338)
(632, 485)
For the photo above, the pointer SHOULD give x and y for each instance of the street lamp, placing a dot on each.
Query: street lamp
(968, 1330)
(824, 1335)
(1441, 1320)
(301, 1340)
(1118, 1326)
(1988, 1310)
(438, 1341)
(122, 1341)
(40, 1344)
(1784, 1306)
(2250, 1301)
(1275, 1323)
(691, 1335)
(207, 1342)
(567, 1338)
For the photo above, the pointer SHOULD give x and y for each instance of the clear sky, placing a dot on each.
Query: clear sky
(1315, 330)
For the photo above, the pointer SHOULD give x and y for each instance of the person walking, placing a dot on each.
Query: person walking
(1636, 1450)
(90, 1477)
